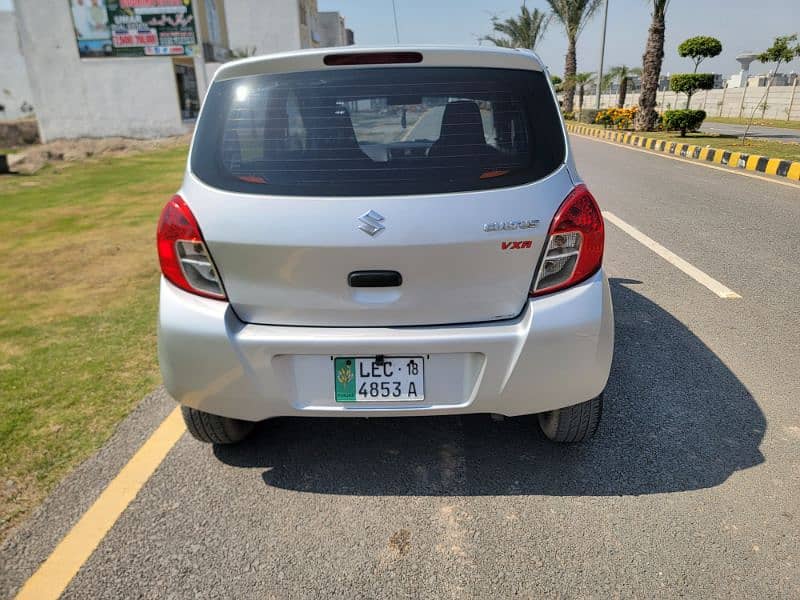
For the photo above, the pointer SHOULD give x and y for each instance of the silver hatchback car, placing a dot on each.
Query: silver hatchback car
(383, 232)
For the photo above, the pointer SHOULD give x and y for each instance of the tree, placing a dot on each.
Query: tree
(580, 80)
(699, 48)
(783, 50)
(556, 81)
(573, 15)
(622, 73)
(524, 31)
(606, 82)
(689, 83)
(646, 117)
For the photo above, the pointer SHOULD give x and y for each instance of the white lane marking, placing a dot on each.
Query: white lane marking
(687, 161)
(672, 258)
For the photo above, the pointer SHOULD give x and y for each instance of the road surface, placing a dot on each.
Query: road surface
(689, 489)
(773, 133)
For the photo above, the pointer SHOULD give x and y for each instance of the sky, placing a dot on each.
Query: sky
(741, 25)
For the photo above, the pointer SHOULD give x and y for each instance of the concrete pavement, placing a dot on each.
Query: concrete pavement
(689, 488)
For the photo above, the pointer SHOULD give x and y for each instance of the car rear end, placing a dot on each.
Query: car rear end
(374, 232)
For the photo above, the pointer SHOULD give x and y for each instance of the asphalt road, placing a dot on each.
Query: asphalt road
(775, 133)
(689, 489)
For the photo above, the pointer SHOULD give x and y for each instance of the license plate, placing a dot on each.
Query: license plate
(394, 378)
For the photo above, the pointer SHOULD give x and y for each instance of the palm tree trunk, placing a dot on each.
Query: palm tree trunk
(570, 69)
(580, 102)
(651, 72)
(623, 92)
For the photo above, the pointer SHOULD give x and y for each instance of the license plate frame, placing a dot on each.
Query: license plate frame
(403, 384)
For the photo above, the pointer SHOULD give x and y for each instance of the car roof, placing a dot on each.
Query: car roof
(432, 56)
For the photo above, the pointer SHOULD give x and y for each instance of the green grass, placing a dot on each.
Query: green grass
(782, 123)
(78, 299)
(769, 148)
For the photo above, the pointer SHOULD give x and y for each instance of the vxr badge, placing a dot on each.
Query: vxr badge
(519, 245)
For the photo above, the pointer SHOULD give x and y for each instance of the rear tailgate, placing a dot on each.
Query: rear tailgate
(287, 260)
(448, 177)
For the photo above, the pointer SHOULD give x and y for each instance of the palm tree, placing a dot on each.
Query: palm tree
(581, 80)
(651, 72)
(524, 31)
(622, 73)
(573, 15)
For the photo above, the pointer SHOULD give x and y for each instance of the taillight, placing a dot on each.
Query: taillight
(182, 252)
(574, 250)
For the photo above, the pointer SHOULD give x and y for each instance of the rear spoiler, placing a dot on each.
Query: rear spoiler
(320, 59)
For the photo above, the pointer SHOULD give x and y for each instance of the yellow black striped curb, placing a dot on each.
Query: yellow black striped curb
(750, 162)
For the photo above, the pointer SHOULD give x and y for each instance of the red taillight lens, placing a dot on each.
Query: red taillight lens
(574, 250)
(182, 252)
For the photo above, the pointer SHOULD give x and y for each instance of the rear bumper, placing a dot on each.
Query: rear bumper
(556, 353)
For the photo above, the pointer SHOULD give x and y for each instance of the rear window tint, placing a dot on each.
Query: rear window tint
(378, 131)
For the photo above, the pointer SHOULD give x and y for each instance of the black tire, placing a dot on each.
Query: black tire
(214, 429)
(574, 423)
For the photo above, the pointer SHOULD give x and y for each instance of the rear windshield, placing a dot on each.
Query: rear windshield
(378, 131)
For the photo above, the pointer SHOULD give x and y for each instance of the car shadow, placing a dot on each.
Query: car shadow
(675, 418)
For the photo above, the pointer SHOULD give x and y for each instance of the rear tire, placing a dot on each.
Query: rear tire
(214, 429)
(573, 423)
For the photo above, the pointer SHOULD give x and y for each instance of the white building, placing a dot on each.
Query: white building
(127, 73)
(262, 27)
(332, 30)
(16, 99)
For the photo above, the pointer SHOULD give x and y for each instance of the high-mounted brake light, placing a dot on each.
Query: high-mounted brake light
(371, 58)
(182, 252)
(574, 250)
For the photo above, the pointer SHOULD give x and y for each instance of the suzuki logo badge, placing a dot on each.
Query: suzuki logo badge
(371, 223)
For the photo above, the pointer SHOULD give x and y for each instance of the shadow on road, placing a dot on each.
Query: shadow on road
(676, 418)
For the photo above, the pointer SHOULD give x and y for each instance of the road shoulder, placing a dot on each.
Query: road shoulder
(30, 543)
(703, 154)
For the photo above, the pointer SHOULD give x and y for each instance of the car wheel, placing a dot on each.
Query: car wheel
(214, 429)
(572, 423)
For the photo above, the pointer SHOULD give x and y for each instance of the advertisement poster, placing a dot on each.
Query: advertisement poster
(123, 28)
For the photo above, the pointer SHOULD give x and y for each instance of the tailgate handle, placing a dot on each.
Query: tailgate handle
(374, 279)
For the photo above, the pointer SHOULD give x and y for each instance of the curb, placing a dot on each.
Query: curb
(749, 162)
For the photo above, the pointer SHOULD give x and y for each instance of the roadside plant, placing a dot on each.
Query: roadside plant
(573, 16)
(689, 83)
(647, 118)
(616, 118)
(622, 74)
(783, 50)
(699, 48)
(683, 120)
(523, 31)
(556, 81)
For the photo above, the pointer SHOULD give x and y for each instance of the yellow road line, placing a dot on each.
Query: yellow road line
(672, 258)
(686, 161)
(55, 573)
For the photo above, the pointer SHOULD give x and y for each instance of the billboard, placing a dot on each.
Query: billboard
(124, 28)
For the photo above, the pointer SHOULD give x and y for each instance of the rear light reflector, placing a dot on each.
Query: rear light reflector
(372, 58)
(574, 249)
(182, 252)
